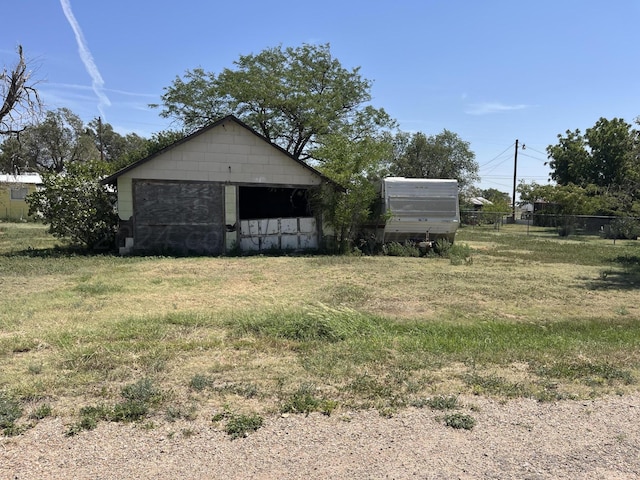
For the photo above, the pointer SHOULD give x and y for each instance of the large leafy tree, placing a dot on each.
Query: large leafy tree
(49, 146)
(110, 144)
(62, 139)
(444, 155)
(135, 150)
(295, 97)
(603, 156)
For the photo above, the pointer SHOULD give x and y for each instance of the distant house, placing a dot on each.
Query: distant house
(479, 202)
(13, 192)
(221, 188)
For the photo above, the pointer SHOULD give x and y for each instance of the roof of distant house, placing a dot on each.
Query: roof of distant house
(480, 201)
(30, 178)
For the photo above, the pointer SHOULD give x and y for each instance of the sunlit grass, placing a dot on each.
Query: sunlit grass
(533, 315)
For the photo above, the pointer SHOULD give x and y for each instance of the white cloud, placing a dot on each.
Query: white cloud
(97, 82)
(492, 107)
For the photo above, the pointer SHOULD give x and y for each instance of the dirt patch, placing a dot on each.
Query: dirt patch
(515, 439)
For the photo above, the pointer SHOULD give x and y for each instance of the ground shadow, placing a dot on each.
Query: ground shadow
(623, 275)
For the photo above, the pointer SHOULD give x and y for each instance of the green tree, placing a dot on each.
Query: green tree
(611, 143)
(496, 196)
(569, 159)
(149, 146)
(575, 199)
(110, 144)
(12, 156)
(51, 145)
(444, 155)
(603, 156)
(76, 206)
(62, 138)
(355, 165)
(295, 97)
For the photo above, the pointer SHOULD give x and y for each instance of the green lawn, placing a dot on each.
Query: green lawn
(103, 337)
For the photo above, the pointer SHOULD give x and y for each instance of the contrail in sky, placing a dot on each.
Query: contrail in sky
(87, 58)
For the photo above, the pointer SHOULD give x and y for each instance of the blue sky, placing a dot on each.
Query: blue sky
(492, 71)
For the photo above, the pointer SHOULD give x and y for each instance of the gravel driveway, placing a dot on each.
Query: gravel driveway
(520, 439)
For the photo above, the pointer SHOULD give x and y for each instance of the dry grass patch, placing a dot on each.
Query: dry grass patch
(361, 332)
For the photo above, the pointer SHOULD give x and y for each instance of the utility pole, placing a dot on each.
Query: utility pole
(100, 139)
(515, 173)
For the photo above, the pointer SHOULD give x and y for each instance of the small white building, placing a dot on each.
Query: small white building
(221, 188)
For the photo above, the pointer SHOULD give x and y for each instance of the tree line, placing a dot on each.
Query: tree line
(305, 101)
(595, 173)
(301, 99)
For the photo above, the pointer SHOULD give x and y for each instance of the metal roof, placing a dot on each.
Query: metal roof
(480, 201)
(31, 178)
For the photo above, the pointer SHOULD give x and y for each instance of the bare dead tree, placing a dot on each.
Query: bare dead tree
(20, 100)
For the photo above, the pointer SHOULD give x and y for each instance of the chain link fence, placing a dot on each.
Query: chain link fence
(616, 227)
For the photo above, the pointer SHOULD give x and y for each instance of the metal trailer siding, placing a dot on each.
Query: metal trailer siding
(419, 207)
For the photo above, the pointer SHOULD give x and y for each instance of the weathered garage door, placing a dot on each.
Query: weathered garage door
(178, 217)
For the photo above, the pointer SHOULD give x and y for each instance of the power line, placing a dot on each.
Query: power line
(531, 148)
(531, 156)
(497, 156)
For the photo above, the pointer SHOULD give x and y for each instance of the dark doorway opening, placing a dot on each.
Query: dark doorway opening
(273, 202)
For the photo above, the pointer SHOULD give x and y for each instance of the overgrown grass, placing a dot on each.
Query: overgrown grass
(104, 338)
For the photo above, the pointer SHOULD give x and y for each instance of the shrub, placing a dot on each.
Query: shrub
(239, 425)
(77, 207)
(623, 228)
(459, 421)
(396, 249)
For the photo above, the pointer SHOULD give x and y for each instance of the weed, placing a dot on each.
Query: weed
(200, 382)
(89, 417)
(246, 390)
(41, 412)
(10, 411)
(587, 372)
(387, 411)
(443, 402)
(175, 413)
(129, 411)
(460, 421)
(239, 425)
(304, 401)
(97, 288)
(495, 385)
(460, 254)
(322, 323)
(64, 332)
(369, 387)
(35, 368)
(443, 247)
(138, 399)
(348, 293)
(143, 391)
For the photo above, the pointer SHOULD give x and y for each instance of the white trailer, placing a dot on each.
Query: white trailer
(420, 209)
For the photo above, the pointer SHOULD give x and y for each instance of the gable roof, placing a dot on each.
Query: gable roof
(112, 178)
